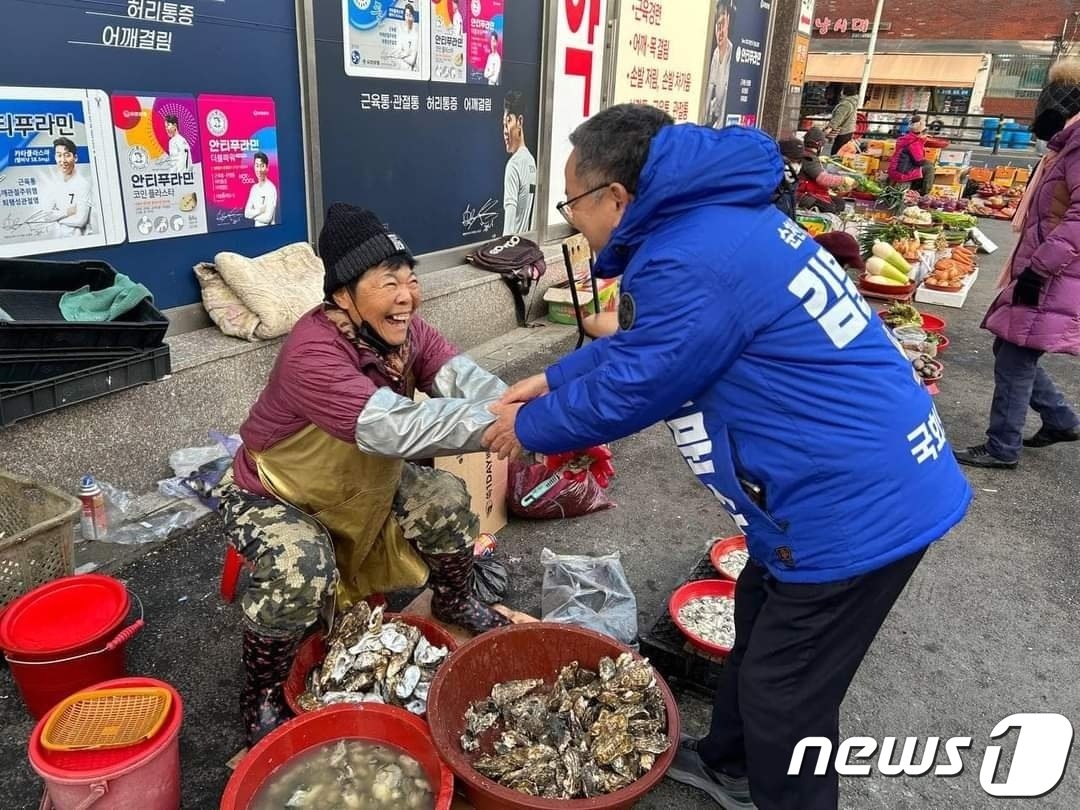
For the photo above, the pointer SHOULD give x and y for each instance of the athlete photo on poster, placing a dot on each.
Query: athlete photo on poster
(387, 39)
(58, 180)
(486, 41)
(161, 167)
(519, 179)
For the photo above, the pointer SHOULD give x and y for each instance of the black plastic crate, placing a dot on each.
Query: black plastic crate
(33, 399)
(30, 291)
(682, 665)
(28, 367)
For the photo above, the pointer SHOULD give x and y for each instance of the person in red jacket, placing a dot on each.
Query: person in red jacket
(816, 184)
(909, 163)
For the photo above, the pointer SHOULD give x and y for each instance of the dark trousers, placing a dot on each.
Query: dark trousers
(1019, 383)
(840, 141)
(797, 647)
(926, 182)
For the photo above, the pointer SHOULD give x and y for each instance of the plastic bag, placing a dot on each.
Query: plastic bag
(590, 592)
(491, 580)
(567, 499)
(134, 520)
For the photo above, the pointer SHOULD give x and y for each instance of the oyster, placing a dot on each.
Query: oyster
(711, 618)
(427, 654)
(586, 735)
(504, 694)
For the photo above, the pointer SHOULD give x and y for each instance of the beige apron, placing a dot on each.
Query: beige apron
(351, 494)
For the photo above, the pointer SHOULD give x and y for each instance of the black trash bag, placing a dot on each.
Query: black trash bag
(491, 580)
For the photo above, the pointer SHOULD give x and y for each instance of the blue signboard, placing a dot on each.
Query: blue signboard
(152, 48)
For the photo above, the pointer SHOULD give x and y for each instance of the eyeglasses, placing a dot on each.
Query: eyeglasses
(566, 207)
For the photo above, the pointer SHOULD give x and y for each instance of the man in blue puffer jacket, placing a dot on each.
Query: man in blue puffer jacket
(788, 399)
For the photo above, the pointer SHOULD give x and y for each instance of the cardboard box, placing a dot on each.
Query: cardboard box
(946, 299)
(954, 157)
(561, 304)
(1023, 176)
(933, 154)
(888, 148)
(485, 476)
(947, 192)
(1005, 176)
(981, 174)
(875, 148)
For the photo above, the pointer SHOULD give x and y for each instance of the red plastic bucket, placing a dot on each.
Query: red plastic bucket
(312, 652)
(373, 722)
(145, 776)
(64, 636)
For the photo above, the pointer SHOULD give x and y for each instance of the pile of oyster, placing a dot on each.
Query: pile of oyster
(590, 734)
(372, 661)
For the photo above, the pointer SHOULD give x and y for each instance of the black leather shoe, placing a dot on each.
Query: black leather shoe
(979, 456)
(1048, 436)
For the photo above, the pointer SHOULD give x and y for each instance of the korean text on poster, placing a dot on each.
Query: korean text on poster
(58, 182)
(239, 148)
(659, 56)
(449, 34)
(387, 39)
(487, 34)
(161, 167)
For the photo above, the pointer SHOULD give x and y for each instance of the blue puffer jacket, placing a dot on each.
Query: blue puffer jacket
(782, 389)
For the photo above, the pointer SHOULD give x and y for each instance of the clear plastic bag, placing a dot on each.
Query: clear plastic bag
(590, 592)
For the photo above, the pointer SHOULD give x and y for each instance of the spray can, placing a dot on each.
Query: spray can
(95, 523)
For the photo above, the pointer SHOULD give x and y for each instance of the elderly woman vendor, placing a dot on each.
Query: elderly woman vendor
(324, 500)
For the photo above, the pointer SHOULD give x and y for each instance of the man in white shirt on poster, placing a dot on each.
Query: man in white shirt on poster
(519, 180)
(494, 62)
(410, 40)
(179, 148)
(263, 197)
(719, 68)
(72, 197)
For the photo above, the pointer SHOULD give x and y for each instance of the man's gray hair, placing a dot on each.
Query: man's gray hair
(613, 145)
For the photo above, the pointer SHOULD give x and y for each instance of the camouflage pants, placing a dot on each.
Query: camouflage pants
(294, 574)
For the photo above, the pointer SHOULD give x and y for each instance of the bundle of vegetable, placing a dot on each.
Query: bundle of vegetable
(892, 198)
(954, 220)
(881, 232)
(887, 267)
(902, 315)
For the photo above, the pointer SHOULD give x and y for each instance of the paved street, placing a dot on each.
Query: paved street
(987, 628)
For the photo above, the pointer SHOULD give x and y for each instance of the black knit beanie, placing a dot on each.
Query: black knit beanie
(353, 241)
(1059, 101)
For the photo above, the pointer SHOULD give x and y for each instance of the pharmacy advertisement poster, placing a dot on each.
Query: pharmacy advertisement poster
(448, 40)
(161, 165)
(387, 39)
(238, 139)
(486, 31)
(59, 188)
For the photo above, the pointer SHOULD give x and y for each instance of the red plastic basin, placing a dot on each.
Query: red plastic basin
(930, 323)
(726, 545)
(537, 650)
(371, 722)
(695, 590)
(312, 651)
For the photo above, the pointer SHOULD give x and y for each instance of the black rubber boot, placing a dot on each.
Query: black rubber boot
(266, 666)
(453, 602)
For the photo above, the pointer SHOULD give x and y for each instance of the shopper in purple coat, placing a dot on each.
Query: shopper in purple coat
(1038, 308)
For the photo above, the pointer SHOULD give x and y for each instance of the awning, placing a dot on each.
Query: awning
(917, 69)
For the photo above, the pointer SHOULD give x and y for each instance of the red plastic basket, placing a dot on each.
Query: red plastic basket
(696, 590)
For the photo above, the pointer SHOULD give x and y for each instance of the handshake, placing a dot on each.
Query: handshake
(501, 438)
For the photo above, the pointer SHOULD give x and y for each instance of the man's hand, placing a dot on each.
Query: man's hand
(501, 438)
(526, 390)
